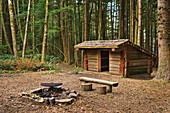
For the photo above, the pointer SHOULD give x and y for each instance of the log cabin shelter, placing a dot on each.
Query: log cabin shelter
(118, 57)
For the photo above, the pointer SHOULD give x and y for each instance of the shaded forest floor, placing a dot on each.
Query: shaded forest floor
(132, 94)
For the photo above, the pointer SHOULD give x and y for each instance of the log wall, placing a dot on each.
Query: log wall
(114, 63)
(92, 57)
(138, 61)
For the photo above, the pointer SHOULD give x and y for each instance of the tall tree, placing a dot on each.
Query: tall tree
(139, 23)
(75, 35)
(68, 32)
(0, 24)
(100, 19)
(163, 39)
(13, 29)
(19, 22)
(131, 20)
(45, 32)
(63, 32)
(86, 20)
(147, 28)
(121, 20)
(26, 30)
(33, 27)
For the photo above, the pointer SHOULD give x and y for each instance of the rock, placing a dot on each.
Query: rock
(70, 100)
(73, 91)
(72, 95)
(67, 92)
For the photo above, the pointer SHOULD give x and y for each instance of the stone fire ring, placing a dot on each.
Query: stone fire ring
(51, 94)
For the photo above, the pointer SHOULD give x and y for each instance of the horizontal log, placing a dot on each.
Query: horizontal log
(138, 64)
(114, 72)
(138, 71)
(91, 69)
(140, 60)
(93, 80)
(115, 62)
(114, 69)
(92, 60)
(92, 63)
(114, 59)
(91, 66)
(114, 65)
(138, 67)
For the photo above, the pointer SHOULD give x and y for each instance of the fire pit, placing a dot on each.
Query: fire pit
(51, 94)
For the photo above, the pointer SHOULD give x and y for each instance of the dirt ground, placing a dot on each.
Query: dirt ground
(135, 94)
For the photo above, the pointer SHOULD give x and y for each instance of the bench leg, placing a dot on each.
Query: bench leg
(109, 89)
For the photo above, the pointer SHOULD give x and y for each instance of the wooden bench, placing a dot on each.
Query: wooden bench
(99, 81)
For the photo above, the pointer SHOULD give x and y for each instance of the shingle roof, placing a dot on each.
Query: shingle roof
(101, 43)
(95, 44)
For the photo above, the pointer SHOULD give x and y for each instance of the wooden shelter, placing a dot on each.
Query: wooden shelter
(118, 57)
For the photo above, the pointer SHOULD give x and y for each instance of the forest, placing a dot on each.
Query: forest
(38, 41)
(48, 30)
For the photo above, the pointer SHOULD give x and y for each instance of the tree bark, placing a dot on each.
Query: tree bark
(68, 33)
(111, 16)
(136, 23)
(63, 33)
(33, 28)
(139, 23)
(100, 19)
(75, 35)
(131, 20)
(0, 25)
(13, 29)
(26, 30)
(163, 40)
(96, 20)
(147, 28)
(121, 20)
(86, 20)
(45, 32)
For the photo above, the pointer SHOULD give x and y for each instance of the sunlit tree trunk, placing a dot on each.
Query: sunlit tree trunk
(68, 33)
(33, 28)
(131, 20)
(0, 25)
(13, 29)
(163, 39)
(86, 21)
(75, 37)
(26, 30)
(121, 20)
(136, 23)
(100, 19)
(63, 33)
(139, 23)
(45, 32)
(96, 20)
(111, 16)
(147, 28)
(19, 22)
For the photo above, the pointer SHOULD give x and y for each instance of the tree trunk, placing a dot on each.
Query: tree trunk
(75, 37)
(163, 40)
(136, 23)
(147, 28)
(0, 25)
(86, 20)
(13, 29)
(26, 29)
(96, 20)
(19, 22)
(121, 20)
(33, 28)
(131, 20)
(45, 32)
(139, 23)
(111, 16)
(100, 19)
(68, 33)
(63, 33)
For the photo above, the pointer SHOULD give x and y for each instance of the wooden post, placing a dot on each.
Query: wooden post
(85, 60)
(121, 64)
(99, 60)
(126, 54)
(150, 65)
(109, 88)
(101, 89)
